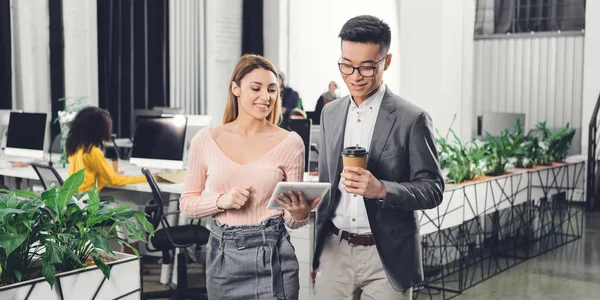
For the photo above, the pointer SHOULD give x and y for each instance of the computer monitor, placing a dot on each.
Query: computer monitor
(26, 133)
(169, 110)
(302, 128)
(158, 142)
(494, 123)
(4, 120)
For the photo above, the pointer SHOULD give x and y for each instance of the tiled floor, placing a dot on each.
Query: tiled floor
(569, 272)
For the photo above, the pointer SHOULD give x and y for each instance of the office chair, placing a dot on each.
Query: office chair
(168, 238)
(48, 176)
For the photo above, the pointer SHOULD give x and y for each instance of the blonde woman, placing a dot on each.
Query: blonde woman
(249, 255)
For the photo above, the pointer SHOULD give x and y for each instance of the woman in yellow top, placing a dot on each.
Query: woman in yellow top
(87, 133)
(89, 130)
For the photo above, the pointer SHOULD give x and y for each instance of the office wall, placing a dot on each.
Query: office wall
(539, 76)
(314, 46)
(436, 60)
(591, 68)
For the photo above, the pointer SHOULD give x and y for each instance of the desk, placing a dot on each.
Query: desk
(302, 238)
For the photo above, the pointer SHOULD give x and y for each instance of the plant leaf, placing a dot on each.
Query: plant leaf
(135, 251)
(133, 231)
(7, 211)
(94, 201)
(49, 272)
(53, 254)
(22, 193)
(98, 240)
(142, 219)
(11, 241)
(68, 189)
(100, 264)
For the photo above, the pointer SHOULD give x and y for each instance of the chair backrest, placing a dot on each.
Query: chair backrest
(156, 207)
(56, 147)
(48, 175)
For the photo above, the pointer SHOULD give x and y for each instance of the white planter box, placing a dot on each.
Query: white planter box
(89, 283)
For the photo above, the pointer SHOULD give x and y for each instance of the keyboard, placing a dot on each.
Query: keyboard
(11, 158)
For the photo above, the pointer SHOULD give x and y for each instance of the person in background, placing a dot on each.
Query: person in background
(242, 161)
(326, 97)
(289, 98)
(88, 132)
(298, 114)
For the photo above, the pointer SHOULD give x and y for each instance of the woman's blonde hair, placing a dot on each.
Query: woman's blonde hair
(247, 64)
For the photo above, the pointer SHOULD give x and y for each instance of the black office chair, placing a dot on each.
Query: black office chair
(48, 176)
(168, 238)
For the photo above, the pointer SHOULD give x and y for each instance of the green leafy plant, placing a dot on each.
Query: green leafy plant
(64, 118)
(517, 138)
(22, 223)
(461, 161)
(65, 234)
(559, 142)
(498, 152)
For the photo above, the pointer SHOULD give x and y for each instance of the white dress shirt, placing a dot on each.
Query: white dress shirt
(351, 214)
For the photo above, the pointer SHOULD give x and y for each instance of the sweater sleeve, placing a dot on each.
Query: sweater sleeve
(193, 203)
(96, 161)
(294, 172)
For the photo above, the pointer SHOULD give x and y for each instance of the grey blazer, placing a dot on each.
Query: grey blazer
(403, 157)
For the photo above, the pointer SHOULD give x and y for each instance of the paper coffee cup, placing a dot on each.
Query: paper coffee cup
(355, 157)
(115, 165)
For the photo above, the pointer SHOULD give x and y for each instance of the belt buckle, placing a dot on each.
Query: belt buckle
(350, 237)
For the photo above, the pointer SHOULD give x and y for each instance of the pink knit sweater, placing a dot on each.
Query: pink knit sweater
(209, 166)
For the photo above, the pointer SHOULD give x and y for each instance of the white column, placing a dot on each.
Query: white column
(275, 31)
(223, 50)
(436, 54)
(591, 68)
(81, 50)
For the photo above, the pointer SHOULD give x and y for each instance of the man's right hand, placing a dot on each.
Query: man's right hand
(236, 198)
(313, 275)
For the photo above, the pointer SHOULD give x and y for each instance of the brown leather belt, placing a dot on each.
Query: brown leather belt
(354, 239)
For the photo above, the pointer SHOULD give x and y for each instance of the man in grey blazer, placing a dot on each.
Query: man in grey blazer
(368, 243)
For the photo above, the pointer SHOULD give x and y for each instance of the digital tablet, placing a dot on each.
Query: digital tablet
(311, 190)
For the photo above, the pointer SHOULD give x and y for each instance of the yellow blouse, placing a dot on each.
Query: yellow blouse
(98, 169)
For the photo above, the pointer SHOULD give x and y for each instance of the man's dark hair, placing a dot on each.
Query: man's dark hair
(91, 127)
(367, 29)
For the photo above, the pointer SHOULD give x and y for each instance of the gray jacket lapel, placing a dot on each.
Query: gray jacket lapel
(383, 126)
(338, 121)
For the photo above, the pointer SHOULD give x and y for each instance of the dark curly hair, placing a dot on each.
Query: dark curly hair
(91, 127)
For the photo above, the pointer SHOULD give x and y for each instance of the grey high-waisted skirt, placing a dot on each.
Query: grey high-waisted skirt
(251, 262)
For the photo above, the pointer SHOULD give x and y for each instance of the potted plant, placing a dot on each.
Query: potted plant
(498, 152)
(559, 142)
(64, 119)
(54, 237)
(460, 161)
(517, 138)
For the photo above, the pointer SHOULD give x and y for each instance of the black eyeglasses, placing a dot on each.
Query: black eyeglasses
(365, 71)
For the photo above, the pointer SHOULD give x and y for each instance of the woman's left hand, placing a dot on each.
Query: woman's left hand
(296, 205)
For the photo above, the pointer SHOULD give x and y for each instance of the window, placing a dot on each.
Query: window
(515, 16)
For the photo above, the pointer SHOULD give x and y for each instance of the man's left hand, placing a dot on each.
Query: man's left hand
(363, 183)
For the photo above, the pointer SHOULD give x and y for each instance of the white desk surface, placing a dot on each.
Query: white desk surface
(130, 170)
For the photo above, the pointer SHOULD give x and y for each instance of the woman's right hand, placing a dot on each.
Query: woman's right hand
(236, 198)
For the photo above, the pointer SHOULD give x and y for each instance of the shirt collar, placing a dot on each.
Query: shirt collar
(374, 100)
